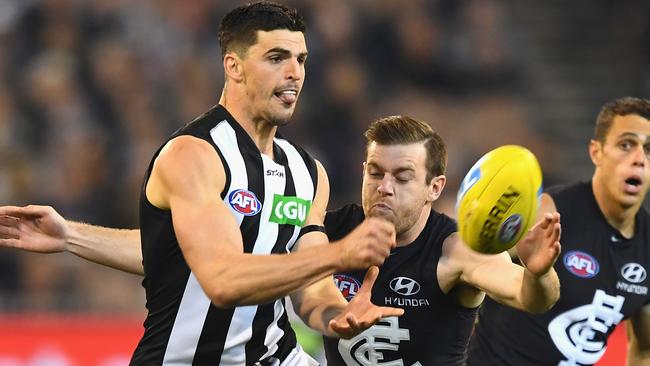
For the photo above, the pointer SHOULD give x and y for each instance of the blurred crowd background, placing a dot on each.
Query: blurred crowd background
(90, 88)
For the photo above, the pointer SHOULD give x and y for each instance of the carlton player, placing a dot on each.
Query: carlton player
(604, 266)
(432, 275)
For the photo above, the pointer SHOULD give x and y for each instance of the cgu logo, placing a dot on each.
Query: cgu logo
(289, 210)
(245, 202)
(581, 264)
(348, 286)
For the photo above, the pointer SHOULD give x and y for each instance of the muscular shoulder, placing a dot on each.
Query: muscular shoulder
(185, 165)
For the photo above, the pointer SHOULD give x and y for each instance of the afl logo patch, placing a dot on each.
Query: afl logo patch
(510, 228)
(349, 286)
(245, 202)
(581, 264)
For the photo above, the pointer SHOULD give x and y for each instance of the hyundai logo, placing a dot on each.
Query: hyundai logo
(633, 272)
(404, 286)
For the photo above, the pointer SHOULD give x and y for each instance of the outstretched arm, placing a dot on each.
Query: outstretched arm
(638, 333)
(533, 288)
(41, 229)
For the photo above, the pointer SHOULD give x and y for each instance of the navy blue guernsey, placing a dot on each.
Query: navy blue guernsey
(183, 327)
(603, 279)
(434, 329)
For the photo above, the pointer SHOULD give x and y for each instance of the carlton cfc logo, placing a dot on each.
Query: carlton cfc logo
(581, 264)
(348, 286)
(245, 202)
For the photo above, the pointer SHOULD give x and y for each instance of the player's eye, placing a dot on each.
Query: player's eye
(625, 145)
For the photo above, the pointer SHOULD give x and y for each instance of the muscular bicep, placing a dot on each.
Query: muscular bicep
(187, 178)
(317, 212)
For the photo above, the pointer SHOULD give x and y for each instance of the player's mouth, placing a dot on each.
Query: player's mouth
(381, 207)
(633, 185)
(287, 96)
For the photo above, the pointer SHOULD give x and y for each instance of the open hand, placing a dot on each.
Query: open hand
(361, 313)
(539, 249)
(32, 228)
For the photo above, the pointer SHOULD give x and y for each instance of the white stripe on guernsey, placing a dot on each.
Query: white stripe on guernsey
(188, 325)
(304, 189)
(301, 177)
(240, 331)
(273, 332)
(225, 138)
(267, 234)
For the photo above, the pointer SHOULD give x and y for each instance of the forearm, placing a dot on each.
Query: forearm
(244, 279)
(318, 304)
(115, 248)
(539, 293)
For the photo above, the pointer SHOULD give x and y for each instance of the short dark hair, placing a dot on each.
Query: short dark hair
(394, 130)
(238, 28)
(619, 107)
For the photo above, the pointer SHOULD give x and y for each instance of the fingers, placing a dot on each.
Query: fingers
(369, 244)
(11, 210)
(10, 243)
(553, 229)
(26, 211)
(9, 227)
(347, 328)
(385, 229)
(388, 311)
(368, 281)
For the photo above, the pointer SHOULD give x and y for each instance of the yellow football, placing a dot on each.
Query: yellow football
(498, 199)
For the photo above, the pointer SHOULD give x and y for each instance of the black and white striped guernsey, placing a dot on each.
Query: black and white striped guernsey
(270, 199)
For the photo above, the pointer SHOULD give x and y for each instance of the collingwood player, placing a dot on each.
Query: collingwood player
(605, 261)
(216, 229)
(432, 275)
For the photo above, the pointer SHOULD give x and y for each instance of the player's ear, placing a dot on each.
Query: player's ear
(595, 151)
(232, 66)
(436, 186)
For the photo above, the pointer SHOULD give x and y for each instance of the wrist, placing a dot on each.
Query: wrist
(72, 237)
(539, 276)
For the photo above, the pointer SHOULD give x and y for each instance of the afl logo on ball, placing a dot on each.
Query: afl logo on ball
(581, 264)
(510, 228)
(245, 202)
(348, 286)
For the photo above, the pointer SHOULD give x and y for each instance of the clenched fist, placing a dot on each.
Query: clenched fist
(367, 245)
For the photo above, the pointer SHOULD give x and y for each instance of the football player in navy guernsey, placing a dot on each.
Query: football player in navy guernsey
(604, 266)
(437, 279)
(216, 231)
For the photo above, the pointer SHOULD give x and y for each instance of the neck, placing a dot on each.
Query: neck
(260, 131)
(409, 236)
(621, 217)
